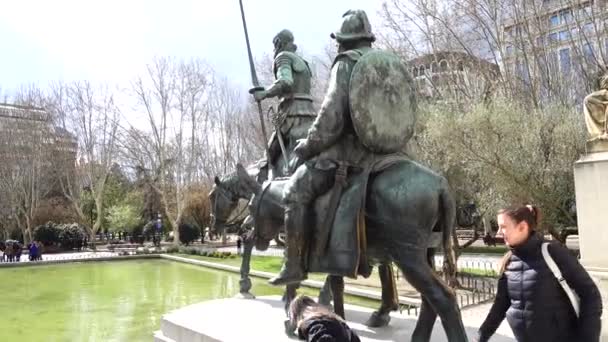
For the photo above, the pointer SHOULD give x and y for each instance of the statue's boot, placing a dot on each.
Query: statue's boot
(293, 268)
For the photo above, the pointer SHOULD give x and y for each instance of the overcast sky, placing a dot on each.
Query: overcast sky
(111, 40)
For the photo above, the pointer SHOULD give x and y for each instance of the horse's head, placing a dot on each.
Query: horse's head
(223, 200)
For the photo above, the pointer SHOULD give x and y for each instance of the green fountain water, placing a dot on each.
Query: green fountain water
(105, 301)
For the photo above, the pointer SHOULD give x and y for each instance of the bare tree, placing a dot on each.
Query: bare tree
(25, 145)
(92, 116)
(548, 51)
(179, 102)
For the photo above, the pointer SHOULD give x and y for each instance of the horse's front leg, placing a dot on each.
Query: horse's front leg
(325, 295)
(245, 282)
(291, 291)
(390, 297)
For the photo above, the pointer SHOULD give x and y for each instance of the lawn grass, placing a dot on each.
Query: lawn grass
(478, 272)
(486, 250)
(273, 264)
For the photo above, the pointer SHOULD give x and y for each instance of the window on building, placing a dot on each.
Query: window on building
(553, 62)
(443, 65)
(565, 16)
(552, 38)
(588, 28)
(415, 72)
(554, 20)
(564, 61)
(522, 72)
(564, 36)
(574, 32)
(588, 53)
(586, 11)
(434, 67)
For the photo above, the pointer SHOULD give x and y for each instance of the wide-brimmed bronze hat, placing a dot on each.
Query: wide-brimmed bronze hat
(355, 26)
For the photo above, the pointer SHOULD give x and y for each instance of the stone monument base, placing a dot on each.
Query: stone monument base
(262, 319)
(597, 145)
(591, 184)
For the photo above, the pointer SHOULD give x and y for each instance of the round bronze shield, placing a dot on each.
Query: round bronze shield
(382, 102)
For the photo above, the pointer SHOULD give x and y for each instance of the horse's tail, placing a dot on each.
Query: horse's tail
(448, 230)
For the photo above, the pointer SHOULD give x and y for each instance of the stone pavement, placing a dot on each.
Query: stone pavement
(70, 256)
(210, 321)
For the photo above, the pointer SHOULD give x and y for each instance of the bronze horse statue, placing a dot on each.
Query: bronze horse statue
(224, 198)
(405, 203)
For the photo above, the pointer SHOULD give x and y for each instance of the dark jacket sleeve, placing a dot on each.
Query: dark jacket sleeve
(497, 312)
(318, 331)
(589, 321)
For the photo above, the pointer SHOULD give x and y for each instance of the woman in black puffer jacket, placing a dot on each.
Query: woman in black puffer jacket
(536, 306)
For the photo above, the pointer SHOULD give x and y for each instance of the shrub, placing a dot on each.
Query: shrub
(47, 233)
(188, 233)
(172, 249)
(71, 236)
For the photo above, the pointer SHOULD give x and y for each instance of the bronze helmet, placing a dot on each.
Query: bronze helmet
(355, 27)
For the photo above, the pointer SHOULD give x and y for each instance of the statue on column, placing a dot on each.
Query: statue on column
(596, 111)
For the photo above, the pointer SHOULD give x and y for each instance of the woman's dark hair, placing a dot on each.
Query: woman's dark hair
(518, 213)
(528, 213)
(304, 307)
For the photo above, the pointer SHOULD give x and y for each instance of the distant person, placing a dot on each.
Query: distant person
(536, 306)
(238, 245)
(17, 250)
(33, 251)
(316, 323)
(488, 240)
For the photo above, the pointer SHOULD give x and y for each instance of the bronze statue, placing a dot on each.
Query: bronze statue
(333, 144)
(292, 86)
(295, 112)
(224, 197)
(596, 111)
(381, 206)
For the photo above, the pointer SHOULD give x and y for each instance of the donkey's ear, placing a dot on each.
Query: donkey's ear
(248, 181)
(217, 181)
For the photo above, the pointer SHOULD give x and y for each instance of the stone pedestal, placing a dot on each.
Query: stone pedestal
(262, 319)
(591, 184)
(596, 145)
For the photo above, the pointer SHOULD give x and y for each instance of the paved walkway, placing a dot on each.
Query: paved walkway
(70, 256)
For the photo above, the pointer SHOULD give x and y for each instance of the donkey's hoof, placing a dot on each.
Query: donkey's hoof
(378, 320)
(245, 295)
(289, 329)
